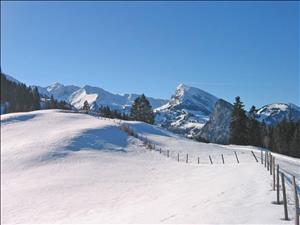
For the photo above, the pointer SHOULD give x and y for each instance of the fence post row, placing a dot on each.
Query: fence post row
(223, 159)
(198, 160)
(261, 157)
(178, 157)
(286, 217)
(187, 158)
(210, 160)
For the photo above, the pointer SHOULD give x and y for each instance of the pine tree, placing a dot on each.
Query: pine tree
(36, 99)
(239, 124)
(53, 103)
(254, 128)
(295, 141)
(86, 106)
(141, 110)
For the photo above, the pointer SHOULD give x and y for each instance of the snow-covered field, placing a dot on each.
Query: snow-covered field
(59, 167)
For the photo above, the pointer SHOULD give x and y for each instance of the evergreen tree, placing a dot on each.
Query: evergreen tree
(254, 128)
(141, 110)
(53, 103)
(86, 106)
(36, 99)
(17, 97)
(238, 127)
(295, 141)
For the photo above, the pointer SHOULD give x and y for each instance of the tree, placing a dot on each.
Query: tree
(238, 125)
(254, 128)
(53, 103)
(86, 106)
(141, 110)
(36, 99)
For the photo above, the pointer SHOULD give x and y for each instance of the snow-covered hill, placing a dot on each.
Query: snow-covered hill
(94, 95)
(62, 167)
(187, 111)
(274, 113)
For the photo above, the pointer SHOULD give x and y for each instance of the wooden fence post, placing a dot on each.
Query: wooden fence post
(168, 153)
(268, 164)
(286, 217)
(271, 159)
(296, 202)
(210, 160)
(198, 160)
(254, 156)
(278, 186)
(237, 159)
(265, 159)
(273, 173)
(223, 159)
(187, 158)
(159, 150)
(261, 157)
(178, 157)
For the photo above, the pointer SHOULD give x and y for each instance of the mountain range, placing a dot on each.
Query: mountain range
(95, 96)
(190, 111)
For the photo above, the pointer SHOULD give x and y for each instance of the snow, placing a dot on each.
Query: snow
(276, 112)
(61, 167)
(187, 111)
(94, 95)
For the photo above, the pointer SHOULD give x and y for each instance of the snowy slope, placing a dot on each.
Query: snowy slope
(60, 167)
(187, 111)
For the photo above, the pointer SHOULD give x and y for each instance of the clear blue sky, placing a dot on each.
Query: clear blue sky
(250, 49)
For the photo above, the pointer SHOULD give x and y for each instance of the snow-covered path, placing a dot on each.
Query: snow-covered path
(71, 168)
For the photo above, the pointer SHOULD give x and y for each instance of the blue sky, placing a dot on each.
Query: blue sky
(250, 49)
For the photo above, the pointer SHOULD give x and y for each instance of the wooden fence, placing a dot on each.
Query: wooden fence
(279, 177)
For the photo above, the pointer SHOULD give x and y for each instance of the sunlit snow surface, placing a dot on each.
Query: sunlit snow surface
(59, 167)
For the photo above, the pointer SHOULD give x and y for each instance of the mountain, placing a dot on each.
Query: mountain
(95, 96)
(187, 111)
(59, 91)
(217, 129)
(276, 112)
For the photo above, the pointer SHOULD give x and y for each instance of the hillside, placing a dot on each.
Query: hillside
(62, 167)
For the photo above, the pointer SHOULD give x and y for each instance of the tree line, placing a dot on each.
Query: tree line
(284, 137)
(141, 110)
(17, 97)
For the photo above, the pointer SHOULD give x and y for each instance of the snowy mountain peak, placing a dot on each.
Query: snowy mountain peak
(276, 112)
(54, 86)
(187, 111)
(182, 87)
(95, 96)
(192, 98)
